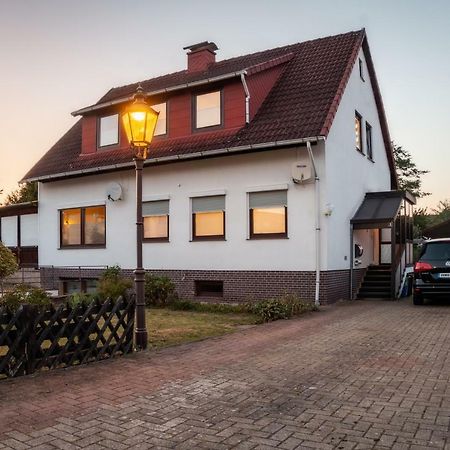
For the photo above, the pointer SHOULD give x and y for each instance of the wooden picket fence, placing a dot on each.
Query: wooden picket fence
(33, 339)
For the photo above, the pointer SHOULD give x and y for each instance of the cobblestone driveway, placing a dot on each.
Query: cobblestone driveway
(360, 375)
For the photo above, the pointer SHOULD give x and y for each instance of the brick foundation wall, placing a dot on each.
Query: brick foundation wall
(238, 285)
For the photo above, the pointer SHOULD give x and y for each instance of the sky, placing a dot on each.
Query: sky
(57, 56)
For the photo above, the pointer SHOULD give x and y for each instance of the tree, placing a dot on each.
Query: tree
(422, 220)
(409, 176)
(441, 213)
(8, 263)
(27, 192)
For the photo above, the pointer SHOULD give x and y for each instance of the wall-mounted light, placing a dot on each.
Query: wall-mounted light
(329, 208)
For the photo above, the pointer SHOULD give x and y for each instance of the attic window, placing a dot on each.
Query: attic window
(208, 110)
(161, 124)
(361, 69)
(108, 130)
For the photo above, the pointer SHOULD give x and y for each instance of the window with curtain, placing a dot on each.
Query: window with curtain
(268, 214)
(208, 110)
(208, 217)
(156, 220)
(83, 226)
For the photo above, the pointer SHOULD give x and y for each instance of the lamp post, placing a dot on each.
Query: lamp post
(139, 121)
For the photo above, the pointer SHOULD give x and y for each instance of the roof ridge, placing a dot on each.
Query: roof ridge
(234, 58)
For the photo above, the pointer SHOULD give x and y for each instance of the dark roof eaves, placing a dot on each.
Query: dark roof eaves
(177, 158)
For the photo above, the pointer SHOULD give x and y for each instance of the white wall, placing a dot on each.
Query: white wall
(349, 174)
(232, 174)
(29, 230)
(9, 231)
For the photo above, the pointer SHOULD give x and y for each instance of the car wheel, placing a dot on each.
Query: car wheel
(417, 299)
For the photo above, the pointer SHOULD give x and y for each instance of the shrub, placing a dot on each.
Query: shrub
(112, 284)
(23, 294)
(159, 290)
(80, 298)
(282, 308)
(8, 263)
(296, 305)
(273, 309)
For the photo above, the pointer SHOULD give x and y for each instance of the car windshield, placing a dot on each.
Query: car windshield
(436, 251)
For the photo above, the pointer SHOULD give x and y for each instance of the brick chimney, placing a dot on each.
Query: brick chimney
(201, 56)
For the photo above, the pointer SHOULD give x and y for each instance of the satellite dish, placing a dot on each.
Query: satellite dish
(114, 192)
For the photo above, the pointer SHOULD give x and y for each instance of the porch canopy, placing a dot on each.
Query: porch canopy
(379, 209)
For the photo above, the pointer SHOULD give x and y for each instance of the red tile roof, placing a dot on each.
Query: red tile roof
(302, 104)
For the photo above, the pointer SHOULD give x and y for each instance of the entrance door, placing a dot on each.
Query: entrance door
(385, 246)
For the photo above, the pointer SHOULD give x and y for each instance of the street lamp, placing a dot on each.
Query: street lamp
(139, 121)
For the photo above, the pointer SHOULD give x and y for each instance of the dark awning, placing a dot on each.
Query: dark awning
(378, 209)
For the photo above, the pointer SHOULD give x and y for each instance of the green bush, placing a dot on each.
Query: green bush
(273, 309)
(80, 298)
(112, 284)
(287, 306)
(23, 294)
(296, 305)
(8, 263)
(159, 290)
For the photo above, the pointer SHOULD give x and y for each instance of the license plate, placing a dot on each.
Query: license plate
(444, 275)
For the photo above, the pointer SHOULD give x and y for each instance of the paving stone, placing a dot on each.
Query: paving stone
(361, 375)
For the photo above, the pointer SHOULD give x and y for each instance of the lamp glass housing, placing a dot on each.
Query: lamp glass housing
(139, 121)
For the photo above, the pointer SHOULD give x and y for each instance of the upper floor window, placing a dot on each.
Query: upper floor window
(358, 132)
(83, 226)
(369, 141)
(208, 109)
(268, 214)
(361, 69)
(156, 220)
(161, 124)
(208, 217)
(108, 130)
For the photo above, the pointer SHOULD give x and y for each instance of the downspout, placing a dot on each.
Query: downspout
(247, 98)
(351, 261)
(317, 223)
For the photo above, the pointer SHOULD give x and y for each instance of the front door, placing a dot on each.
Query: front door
(385, 246)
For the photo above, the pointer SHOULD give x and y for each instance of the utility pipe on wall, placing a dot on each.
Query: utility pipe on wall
(317, 223)
(247, 98)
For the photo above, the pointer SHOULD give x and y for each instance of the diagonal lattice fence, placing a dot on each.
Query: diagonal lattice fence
(33, 339)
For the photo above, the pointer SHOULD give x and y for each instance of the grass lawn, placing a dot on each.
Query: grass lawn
(167, 327)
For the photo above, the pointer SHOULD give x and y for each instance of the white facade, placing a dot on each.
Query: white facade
(234, 176)
(345, 176)
(350, 174)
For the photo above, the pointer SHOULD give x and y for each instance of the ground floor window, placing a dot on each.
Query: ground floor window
(268, 214)
(208, 218)
(156, 220)
(83, 226)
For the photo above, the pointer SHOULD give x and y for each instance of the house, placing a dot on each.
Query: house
(269, 173)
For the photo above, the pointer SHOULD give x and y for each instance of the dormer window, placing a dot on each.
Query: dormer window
(108, 130)
(161, 124)
(208, 110)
